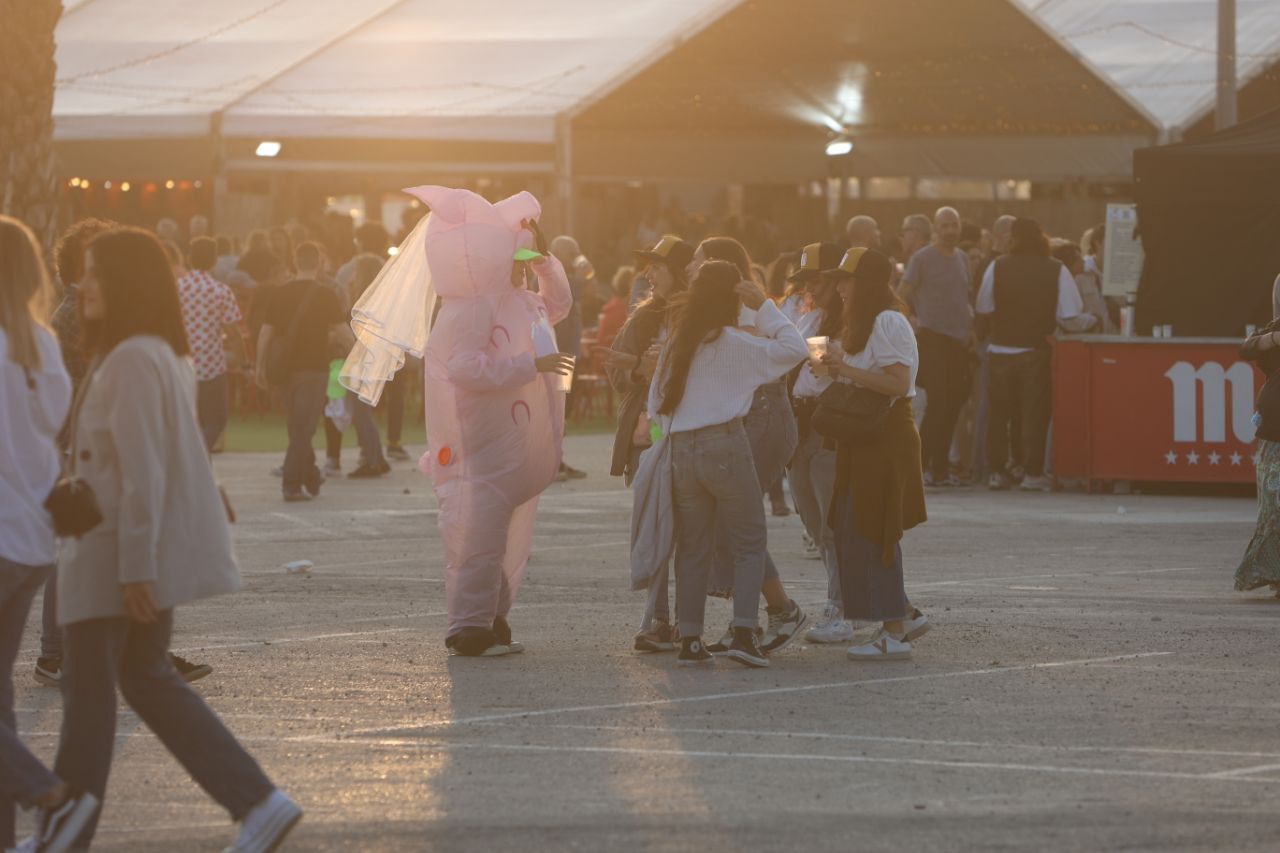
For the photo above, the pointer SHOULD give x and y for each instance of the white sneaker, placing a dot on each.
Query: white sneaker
(915, 626)
(1036, 484)
(883, 646)
(811, 551)
(831, 628)
(264, 828)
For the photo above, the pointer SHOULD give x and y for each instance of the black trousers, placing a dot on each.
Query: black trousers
(944, 374)
(1021, 396)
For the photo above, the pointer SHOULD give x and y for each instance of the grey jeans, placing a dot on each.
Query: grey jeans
(813, 485)
(304, 398)
(23, 777)
(772, 436)
(104, 653)
(50, 633)
(712, 479)
(211, 408)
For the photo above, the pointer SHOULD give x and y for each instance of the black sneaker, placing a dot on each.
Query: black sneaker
(475, 642)
(693, 653)
(57, 829)
(784, 626)
(296, 496)
(661, 637)
(190, 671)
(568, 472)
(367, 472)
(745, 650)
(398, 453)
(49, 671)
(721, 645)
(502, 631)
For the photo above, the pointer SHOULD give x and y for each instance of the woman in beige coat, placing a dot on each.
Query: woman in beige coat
(164, 540)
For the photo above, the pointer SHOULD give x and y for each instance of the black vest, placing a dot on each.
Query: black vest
(1026, 297)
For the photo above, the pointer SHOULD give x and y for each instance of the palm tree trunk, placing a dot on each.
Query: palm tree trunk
(28, 173)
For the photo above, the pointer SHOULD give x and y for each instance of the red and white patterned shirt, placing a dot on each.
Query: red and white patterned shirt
(207, 306)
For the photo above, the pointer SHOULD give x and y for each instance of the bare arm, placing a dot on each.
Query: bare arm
(264, 341)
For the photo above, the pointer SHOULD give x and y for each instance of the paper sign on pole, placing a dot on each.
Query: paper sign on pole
(1123, 257)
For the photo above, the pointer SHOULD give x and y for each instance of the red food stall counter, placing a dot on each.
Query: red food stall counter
(1156, 409)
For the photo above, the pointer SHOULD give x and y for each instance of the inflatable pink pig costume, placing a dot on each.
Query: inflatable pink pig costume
(494, 423)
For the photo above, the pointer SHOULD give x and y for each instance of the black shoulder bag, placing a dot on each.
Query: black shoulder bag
(72, 503)
(851, 413)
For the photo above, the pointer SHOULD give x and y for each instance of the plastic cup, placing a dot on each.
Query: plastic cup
(1167, 331)
(817, 347)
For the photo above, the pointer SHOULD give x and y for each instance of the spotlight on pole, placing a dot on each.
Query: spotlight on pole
(268, 148)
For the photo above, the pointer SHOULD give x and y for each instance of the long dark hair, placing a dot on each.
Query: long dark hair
(1269, 361)
(728, 249)
(832, 306)
(701, 315)
(139, 294)
(870, 298)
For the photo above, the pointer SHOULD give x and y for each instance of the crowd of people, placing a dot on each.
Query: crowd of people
(858, 372)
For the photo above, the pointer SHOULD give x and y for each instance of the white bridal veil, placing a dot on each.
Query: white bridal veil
(392, 319)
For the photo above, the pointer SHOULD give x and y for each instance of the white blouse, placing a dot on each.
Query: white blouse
(892, 341)
(31, 414)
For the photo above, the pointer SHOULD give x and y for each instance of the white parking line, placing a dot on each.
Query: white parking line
(911, 741)
(767, 691)
(649, 752)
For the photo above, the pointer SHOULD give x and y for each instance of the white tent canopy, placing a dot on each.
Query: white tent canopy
(1163, 53)
(425, 69)
(501, 70)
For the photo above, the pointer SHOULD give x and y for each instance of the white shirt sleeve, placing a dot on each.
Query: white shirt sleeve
(986, 302)
(892, 341)
(787, 346)
(1069, 302)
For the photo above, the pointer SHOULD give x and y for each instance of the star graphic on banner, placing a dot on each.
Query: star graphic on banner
(1193, 458)
(1236, 458)
(1214, 458)
(1171, 458)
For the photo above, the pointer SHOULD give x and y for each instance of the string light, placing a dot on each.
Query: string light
(75, 182)
(199, 184)
(168, 184)
(124, 188)
(393, 251)
(106, 185)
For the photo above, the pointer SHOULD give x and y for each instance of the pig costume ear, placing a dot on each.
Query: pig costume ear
(448, 203)
(518, 208)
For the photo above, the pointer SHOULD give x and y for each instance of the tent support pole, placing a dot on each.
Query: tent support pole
(564, 173)
(1226, 113)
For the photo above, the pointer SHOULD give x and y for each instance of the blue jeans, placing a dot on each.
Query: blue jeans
(104, 653)
(24, 777)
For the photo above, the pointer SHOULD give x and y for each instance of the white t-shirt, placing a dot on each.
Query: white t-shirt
(892, 341)
(1070, 304)
(31, 414)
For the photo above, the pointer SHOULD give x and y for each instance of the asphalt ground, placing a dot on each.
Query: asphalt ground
(1091, 682)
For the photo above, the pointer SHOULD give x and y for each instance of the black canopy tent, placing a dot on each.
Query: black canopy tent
(1209, 215)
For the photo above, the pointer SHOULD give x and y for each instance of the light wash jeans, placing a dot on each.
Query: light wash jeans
(713, 478)
(23, 777)
(813, 484)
